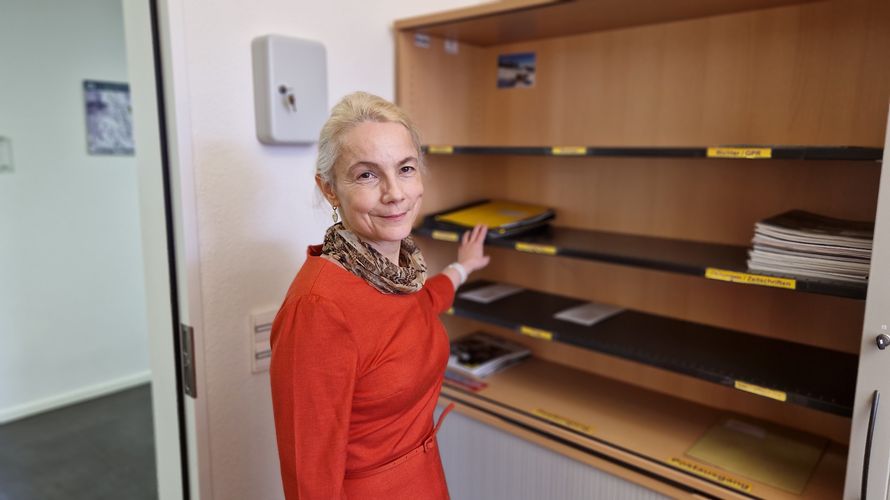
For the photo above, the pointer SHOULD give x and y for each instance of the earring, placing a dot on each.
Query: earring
(334, 214)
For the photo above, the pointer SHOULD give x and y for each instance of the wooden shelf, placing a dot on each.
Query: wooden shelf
(640, 430)
(772, 368)
(708, 260)
(841, 153)
(522, 20)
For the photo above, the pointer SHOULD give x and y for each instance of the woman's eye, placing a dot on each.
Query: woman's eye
(407, 169)
(365, 176)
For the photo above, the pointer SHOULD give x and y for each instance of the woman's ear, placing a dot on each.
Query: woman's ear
(327, 190)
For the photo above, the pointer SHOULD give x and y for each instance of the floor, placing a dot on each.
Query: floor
(96, 450)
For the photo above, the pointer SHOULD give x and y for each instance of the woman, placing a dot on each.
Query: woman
(358, 351)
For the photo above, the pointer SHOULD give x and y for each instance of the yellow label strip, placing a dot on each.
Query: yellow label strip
(535, 248)
(566, 422)
(750, 279)
(761, 391)
(741, 153)
(707, 473)
(535, 332)
(440, 150)
(568, 150)
(445, 235)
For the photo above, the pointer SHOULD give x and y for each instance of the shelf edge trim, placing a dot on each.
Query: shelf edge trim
(714, 273)
(761, 391)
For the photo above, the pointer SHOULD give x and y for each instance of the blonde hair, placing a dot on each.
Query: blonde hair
(353, 109)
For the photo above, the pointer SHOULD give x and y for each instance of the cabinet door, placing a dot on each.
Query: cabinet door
(873, 383)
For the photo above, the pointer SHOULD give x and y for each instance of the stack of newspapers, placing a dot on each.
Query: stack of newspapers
(805, 244)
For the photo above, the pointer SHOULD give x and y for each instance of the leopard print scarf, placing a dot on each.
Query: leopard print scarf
(364, 261)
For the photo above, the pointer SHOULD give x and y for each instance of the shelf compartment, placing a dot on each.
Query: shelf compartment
(708, 260)
(777, 369)
(761, 152)
(643, 430)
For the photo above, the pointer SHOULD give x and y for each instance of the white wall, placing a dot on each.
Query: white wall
(255, 203)
(72, 313)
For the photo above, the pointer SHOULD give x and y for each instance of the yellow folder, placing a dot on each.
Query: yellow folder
(496, 214)
(781, 458)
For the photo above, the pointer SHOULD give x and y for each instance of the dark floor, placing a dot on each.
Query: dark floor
(96, 450)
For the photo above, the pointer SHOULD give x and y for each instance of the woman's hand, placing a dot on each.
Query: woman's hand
(469, 254)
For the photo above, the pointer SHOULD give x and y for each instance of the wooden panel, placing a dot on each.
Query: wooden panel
(813, 74)
(512, 21)
(437, 89)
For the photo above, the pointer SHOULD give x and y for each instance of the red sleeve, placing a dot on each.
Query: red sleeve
(313, 372)
(438, 293)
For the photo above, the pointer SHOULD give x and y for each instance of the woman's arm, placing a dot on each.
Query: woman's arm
(313, 373)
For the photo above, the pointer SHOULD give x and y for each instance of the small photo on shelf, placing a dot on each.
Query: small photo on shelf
(503, 217)
(481, 354)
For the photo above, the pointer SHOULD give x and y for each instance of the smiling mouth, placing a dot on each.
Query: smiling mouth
(395, 216)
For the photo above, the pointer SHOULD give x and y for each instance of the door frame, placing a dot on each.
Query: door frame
(872, 377)
(169, 241)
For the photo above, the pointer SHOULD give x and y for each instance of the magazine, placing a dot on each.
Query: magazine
(480, 354)
(805, 244)
(807, 227)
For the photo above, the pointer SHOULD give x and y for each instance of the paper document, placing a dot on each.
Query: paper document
(588, 314)
(782, 458)
(490, 293)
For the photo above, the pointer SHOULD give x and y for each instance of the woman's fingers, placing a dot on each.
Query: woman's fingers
(471, 236)
(479, 233)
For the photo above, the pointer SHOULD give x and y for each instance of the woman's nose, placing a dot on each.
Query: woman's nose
(393, 192)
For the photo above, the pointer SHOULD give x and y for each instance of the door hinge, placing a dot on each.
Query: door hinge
(187, 352)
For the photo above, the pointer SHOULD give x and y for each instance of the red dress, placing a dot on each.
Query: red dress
(355, 378)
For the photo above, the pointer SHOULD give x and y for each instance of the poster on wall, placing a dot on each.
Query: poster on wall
(516, 70)
(109, 118)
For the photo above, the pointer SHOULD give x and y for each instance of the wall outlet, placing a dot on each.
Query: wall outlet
(5, 155)
(260, 346)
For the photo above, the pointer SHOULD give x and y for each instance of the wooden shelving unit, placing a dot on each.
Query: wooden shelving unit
(660, 132)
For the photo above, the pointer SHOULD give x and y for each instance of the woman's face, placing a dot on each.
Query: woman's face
(377, 183)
